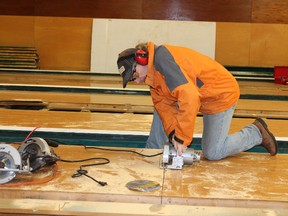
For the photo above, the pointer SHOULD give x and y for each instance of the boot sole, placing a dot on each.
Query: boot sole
(262, 122)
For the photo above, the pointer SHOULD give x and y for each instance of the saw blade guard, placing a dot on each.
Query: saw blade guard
(36, 153)
(189, 156)
(10, 163)
(171, 159)
(35, 146)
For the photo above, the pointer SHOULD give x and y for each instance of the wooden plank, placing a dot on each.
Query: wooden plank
(260, 114)
(269, 37)
(269, 11)
(116, 82)
(99, 107)
(233, 36)
(74, 207)
(116, 174)
(111, 121)
(18, 57)
(61, 79)
(247, 180)
(23, 104)
(240, 11)
(134, 103)
(71, 36)
(68, 80)
(253, 111)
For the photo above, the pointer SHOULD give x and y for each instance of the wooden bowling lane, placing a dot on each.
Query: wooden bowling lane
(110, 121)
(75, 121)
(243, 180)
(97, 102)
(248, 180)
(70, 97)
(259, 86)
(69, 79)
(73, 79)
(122, 168)
(125, 103)
(83, 208)
(262, 108)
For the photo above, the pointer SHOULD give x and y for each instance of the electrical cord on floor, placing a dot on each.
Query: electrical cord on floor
(81, 171)
(122, 150)
(53, 142)
(50, 160)
(84, 172)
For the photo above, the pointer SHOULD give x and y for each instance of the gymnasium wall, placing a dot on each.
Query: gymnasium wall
(62, 43)
(111, 36)
(248, 32)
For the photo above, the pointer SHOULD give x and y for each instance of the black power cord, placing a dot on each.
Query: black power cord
(121, 150)
(84, 172)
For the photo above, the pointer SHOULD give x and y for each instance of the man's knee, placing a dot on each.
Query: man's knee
(212, 154)
(154, 145)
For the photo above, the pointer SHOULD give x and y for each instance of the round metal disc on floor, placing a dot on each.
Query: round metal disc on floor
(143, 185)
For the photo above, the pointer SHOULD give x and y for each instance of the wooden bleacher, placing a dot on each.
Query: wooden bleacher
(18, 57)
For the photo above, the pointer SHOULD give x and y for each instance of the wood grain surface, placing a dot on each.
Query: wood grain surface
(261, 11)
(247, 180)
(244, 183)
(110, 121)
(63, 207)
(127, 103)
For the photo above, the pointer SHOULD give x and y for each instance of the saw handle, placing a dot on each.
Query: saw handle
(52, 143)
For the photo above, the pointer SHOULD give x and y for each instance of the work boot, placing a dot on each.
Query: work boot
(268, 140)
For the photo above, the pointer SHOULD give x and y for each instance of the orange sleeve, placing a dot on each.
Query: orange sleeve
(178, 116)
(188, 107)
(166, 109)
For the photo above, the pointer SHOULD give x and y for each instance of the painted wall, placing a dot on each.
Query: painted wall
(243, 11)
(62, 43)
(252, 44)
(111, 36)
(66, 43)
(248, 32)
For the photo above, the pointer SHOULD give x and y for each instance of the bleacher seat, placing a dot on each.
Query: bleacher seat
(19, 57)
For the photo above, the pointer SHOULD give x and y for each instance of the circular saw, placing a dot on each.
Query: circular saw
(36, 153)
(10, 163)
(171, 159)
(31, 155)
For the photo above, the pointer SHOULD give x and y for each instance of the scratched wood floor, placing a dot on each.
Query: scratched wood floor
(116, 82)
(238, 185)
(247, 180)
(109, 109)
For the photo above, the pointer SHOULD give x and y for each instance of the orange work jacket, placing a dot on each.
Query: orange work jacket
(182, 83)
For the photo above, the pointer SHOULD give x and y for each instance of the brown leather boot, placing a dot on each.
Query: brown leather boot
(268, 140)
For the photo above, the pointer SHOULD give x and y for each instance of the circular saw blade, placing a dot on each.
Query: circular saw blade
(9, 162)
(143, 185)
(6, 162)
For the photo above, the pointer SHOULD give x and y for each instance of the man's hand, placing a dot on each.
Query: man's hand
(180, 148)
